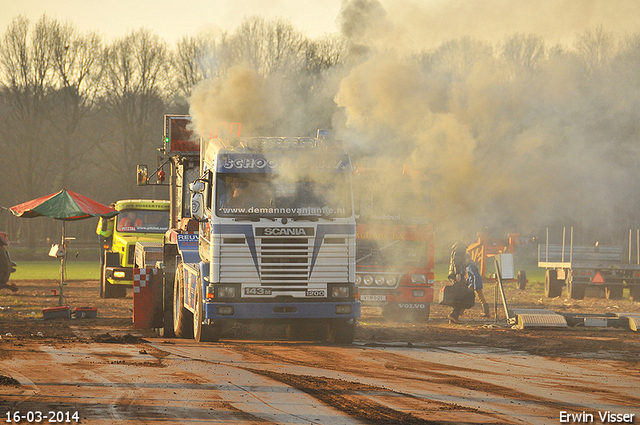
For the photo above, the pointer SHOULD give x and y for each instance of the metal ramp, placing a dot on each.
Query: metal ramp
(528, 318)
(631, 319)
(538, 318)
(533, 318)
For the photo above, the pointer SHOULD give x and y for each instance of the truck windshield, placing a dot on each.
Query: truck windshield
(392, 229)
(273, 195)
(141, 221)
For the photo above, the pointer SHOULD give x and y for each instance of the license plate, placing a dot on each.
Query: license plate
(257, 291)
(373, 297)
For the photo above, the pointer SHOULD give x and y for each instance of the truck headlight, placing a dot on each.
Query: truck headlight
(419, 278)
(379, 280)
(358, 279)
(118, 274)
(368, 280)
(226, 292)
(391, 281)
(340, 291)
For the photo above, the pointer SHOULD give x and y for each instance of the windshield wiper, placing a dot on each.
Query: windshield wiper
(245, 218)
(305, 217)
(313, 217)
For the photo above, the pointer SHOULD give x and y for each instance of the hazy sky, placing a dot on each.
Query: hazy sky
(171, 19)
(425, 22)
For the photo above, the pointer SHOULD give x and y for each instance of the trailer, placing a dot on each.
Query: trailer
(579, 267)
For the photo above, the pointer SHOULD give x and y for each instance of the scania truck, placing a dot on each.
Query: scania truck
(269, 237)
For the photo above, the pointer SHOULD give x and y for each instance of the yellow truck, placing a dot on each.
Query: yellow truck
(139, 220)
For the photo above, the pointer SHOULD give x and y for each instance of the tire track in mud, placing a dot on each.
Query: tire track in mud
(355, 398)
(323, 357)
(348, 397)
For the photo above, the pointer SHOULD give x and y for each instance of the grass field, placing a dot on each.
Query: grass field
(90, 270)
(42, 270)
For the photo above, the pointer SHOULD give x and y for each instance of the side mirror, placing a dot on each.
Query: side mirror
(196, 186)
(197, 206)
(142, 175)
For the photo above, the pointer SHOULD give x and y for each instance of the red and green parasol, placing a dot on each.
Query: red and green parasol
(66, 206)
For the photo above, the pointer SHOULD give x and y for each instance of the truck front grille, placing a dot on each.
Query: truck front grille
(284, 260)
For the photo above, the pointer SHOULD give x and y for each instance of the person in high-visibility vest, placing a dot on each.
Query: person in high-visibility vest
(131, 220)
(105, 227)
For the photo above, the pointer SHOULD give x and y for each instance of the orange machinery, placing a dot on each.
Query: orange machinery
(486, 248)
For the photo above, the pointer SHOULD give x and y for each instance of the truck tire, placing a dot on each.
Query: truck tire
(522, 279)
(634, 293)
(166, 331)
(202, 332)
(101, 280)
(342, 331)
(552, 286)
(613, 292)
(575, 290)
(5, 267)
(182, 318)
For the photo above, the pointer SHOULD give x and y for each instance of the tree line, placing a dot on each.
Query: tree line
(79, 112)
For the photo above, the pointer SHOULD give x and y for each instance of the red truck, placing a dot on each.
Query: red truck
(394, 249)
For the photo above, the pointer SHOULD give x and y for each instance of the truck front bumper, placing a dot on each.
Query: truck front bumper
(292, 310)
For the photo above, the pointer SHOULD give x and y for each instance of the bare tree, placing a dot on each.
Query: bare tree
(324, 54)
(457, 57)
(77, 64)
(25, 75)
(136, 87)
(596, 48)
(268, 47)
(198, 58)
(524, 52)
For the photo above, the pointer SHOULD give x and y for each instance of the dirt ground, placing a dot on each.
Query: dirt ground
(427, 384)
(21, 316)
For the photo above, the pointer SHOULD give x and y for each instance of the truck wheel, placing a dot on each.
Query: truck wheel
(575, 290)
(522, 279)
(552, 286)
(634, 293)
(5, 267)
(182, 318)
(101, 280)
(613, 292)
(166, 331)
(342, 331)
(202, 332)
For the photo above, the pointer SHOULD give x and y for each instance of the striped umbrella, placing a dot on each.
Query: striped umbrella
(64, 205)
